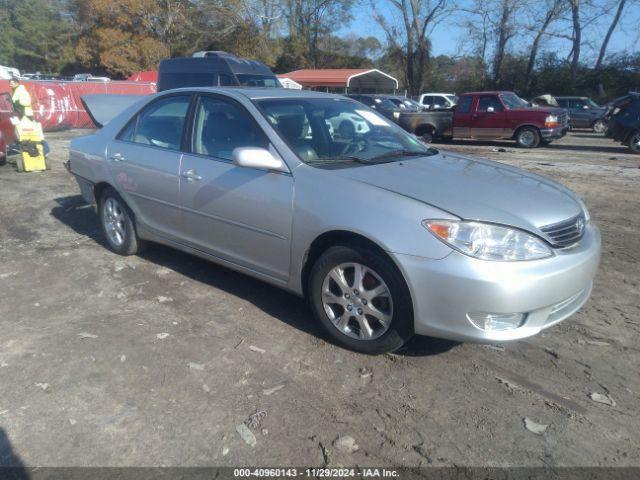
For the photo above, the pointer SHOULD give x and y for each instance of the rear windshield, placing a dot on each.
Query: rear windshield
(248, 80)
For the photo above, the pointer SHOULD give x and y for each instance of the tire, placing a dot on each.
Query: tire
(599, 126)
(117, 223)
(383, 293)
(528, 137)
(634, 142)
(427, 137)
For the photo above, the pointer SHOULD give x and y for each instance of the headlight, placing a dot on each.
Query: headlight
(489, 242)
(396, 115)
(585, 211)
(551, 121)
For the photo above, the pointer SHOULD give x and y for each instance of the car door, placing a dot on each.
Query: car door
(581, 114)
(488, 121)
(144, 162)
(462, 116)
(241, 215)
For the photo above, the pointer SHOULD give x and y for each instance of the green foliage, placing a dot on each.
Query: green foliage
(35, 36)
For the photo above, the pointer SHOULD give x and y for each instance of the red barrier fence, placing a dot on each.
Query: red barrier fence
(57, 105)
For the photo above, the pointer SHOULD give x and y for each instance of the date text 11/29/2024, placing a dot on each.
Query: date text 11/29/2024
(316, 472)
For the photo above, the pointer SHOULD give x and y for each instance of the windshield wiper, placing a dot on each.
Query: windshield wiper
(347, 158)
(399, 153)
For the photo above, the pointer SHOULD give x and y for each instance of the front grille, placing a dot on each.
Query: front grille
(563, 118)
(567, 232)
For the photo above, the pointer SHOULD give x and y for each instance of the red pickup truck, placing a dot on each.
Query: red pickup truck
(492, 115)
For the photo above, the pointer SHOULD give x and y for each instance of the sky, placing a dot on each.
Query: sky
(447, 36)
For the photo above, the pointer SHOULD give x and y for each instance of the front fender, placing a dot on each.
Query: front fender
(388, 219)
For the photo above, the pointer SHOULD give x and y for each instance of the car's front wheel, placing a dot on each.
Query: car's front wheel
(360, 298)
(528, 137)
(599, 126)
(117, 222)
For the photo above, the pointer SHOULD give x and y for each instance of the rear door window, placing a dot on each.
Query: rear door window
(159, 124)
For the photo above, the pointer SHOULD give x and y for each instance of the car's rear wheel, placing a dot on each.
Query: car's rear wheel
(528, 137)
(634, 142)
(117, 222)
(361, 299)
(599, 126)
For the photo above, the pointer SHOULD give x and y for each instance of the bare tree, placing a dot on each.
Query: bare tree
(551, 12)
(607, 37)
(419, 18)
(576, 38)
(504, 32)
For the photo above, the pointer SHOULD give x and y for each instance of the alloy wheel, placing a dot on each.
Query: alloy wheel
(114, 221)
(527, 138)
(357, 301)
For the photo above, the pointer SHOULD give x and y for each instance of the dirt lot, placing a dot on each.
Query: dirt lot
(155, 360)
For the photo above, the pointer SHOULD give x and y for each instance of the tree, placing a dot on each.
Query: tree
(419, 18)
(612, 27)
(552, 10)
(118, 37)
(35, 36)
(576, 38)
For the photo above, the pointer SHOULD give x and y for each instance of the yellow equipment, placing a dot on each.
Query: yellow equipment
(30, 137)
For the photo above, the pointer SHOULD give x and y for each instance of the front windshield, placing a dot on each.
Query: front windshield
(591, 103)
(338, 132)
(248, 80)
(453, 98)
(511, 101)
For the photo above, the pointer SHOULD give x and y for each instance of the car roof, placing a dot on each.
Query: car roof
(258, 93)
(439, 93)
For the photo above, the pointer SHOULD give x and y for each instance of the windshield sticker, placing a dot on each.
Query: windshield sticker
(373, 118)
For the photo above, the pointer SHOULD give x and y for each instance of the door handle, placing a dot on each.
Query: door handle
(117, 157)
(191, 175)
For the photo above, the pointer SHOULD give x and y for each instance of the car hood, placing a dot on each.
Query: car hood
(473, 189)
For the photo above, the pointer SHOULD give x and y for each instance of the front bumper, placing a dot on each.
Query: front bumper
(554, 133)
(444, 291)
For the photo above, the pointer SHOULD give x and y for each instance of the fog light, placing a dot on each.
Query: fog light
(497, 322)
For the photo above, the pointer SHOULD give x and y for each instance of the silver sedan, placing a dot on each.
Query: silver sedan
(385, 236)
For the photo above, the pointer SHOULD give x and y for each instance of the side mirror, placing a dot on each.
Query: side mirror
(258, 158)
(491, 110)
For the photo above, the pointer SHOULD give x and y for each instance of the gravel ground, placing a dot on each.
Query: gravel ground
(156, 359)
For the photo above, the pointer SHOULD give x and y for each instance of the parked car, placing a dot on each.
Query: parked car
(583, 112)
(210, 69)
(383, 235)
(436, 101)
(499, 115)
(380, 104)
(7, 129)
(87, 77)
(623, 121)
(404, 103)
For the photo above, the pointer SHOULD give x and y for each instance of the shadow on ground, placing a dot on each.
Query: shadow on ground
(286, 307)
(11, 466)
